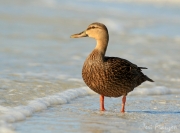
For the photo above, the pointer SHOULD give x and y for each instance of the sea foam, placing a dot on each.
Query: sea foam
(158, 90)
(19, 113)
(13, 114)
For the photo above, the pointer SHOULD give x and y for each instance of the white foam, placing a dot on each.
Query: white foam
(13, 114)
(158, 90)
(40, 75)
(75, 79)
(21, 112)
(6, 127)
(6, 130)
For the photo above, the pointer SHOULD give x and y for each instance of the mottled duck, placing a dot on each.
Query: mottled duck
(108, 76)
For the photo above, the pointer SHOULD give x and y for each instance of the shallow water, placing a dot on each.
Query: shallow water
(39, 60)
(146, 114)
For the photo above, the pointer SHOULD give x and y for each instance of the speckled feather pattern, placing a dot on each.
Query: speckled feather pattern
(111, 76)
(108, 76)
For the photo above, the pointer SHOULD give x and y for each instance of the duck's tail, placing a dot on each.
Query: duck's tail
(148, 79)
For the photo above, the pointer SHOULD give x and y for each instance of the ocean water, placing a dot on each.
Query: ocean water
(41, 88)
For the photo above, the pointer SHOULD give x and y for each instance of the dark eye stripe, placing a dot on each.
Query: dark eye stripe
(92, 28)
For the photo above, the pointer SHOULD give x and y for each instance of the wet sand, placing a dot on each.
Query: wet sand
(143, 114)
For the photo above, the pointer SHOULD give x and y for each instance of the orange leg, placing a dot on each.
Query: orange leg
(102, 103)
(123, 104)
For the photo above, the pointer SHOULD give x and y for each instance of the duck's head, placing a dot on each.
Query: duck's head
(95, 30)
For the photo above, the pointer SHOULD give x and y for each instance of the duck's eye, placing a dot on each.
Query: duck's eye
(91, 28)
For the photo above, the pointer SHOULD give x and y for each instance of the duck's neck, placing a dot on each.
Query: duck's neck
(101, 47)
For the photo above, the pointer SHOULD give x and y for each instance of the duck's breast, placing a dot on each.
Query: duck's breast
(102, 78)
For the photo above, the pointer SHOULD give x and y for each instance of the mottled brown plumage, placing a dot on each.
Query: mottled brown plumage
(111, 76)
(108, 76)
